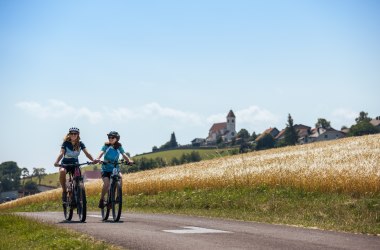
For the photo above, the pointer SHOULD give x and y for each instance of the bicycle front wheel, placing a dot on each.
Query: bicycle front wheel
(67, 209)
(81, 202)
(117, 201)
(105, 210)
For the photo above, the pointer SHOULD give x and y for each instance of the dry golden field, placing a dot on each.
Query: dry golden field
(350, 165)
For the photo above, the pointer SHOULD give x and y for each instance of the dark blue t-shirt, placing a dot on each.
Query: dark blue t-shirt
(71, 155)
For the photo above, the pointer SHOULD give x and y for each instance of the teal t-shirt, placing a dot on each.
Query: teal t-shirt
(111, 155)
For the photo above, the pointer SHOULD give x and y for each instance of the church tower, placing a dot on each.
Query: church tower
(231, 124)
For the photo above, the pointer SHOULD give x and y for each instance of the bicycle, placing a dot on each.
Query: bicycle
(114, 197)
(75, 192)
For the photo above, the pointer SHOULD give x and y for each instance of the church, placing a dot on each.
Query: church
(225, 130)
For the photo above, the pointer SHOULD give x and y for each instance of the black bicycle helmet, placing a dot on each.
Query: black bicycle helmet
(115, 134)
(74, 130)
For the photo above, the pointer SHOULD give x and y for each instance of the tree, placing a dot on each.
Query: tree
(253, 136)
(265, 142)
(195, 156)
(24, 173)
(291, 136)
(173, 141)
(322, 123)
(170, 144)
(30, 187)
(9, 176)
(243, 134)
(39, 173)
(363, 116)
(363, 127)
(154, 149)
(219, 140)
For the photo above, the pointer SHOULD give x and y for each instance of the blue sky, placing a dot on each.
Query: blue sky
(150, 68)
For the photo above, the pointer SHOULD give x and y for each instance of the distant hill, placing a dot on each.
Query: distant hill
(205, 154)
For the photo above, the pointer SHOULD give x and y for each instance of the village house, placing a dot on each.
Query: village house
(376, 122)
(303, 132)
(225, 130)
(197, 142)
(272, 131)
(325, 134)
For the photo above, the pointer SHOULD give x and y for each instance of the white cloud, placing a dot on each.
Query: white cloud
(155, 111)
(56, 109)
(345, 114)
(252, 115)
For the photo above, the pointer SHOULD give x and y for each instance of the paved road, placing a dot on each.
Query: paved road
(156, 231)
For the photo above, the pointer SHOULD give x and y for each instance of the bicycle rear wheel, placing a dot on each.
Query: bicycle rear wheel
(105, 210)
(81, 202)
(67, 209)
(117, 197)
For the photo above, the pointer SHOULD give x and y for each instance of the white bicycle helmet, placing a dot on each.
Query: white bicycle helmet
(74, 130)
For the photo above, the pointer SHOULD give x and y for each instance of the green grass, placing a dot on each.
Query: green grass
(205, 154)
(17, 232)
(280, 205)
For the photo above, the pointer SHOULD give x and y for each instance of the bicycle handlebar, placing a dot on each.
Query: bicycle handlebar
(118, 162)
(75, 164)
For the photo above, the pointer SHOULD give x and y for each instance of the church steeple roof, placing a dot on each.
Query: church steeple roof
(231, 114)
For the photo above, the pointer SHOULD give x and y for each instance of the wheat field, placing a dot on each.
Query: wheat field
(350, 165)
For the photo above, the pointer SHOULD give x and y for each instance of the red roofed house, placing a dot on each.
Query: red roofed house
(225, 130)
(272, 131)
(303, 133)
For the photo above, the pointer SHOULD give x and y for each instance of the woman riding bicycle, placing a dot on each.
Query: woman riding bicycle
(70, 150)
(111, 151)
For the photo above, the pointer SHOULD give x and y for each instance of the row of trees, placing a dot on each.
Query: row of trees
(158, 162)
(10, 177)
(362, 127)
(171, 144)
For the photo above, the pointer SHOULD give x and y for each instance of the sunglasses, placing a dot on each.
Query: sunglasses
(73, 133)
(111, 137)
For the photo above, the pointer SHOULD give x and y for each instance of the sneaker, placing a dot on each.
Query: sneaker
(101, 203)
(64, 197)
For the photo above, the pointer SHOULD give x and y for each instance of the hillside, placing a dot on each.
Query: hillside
(350, 165)
(205, 154)
(332, 185)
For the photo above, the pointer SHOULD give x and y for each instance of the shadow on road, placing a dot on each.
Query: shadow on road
(111, 221)
(70, 222)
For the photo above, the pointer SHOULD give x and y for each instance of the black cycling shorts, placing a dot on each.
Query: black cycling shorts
(106, 174)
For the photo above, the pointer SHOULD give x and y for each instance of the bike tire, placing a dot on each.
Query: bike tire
(81, 202)
(117, 201)
(67, 209)
(105, 211)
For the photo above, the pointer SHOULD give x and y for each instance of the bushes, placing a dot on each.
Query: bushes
(159, 162)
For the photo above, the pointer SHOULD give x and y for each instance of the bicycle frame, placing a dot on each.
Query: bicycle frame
(114, 194)
(76, 194)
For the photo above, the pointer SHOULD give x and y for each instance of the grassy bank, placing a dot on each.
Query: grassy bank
(17, 232)
(280, 205)
(205, 154)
